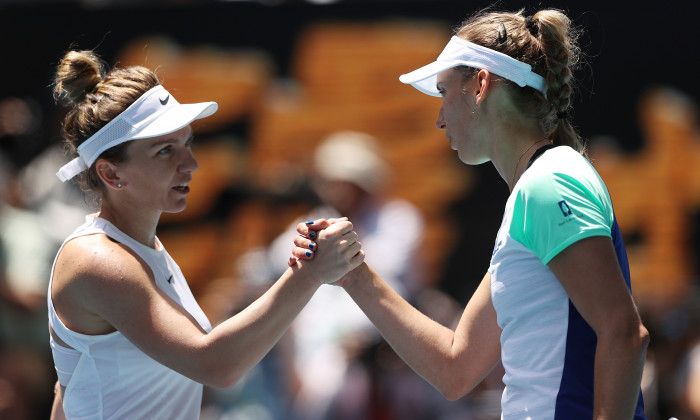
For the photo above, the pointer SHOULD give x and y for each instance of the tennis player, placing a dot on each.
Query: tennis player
(129, 340)
(555, 305)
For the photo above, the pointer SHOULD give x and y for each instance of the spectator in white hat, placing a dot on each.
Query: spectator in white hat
(350, 178)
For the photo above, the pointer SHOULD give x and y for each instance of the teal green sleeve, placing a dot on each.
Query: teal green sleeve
(553, 211)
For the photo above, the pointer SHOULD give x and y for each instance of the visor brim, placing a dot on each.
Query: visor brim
(176, 118)
(425, 78)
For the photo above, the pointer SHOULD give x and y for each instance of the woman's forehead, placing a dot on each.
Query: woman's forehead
(448, 76)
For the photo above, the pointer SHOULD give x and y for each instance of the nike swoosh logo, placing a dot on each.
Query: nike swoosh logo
(170, 279)
(164, 101)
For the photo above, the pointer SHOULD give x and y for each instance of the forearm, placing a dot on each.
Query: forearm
(240, 342)
(618, 374)
(425, 345)
(57, 407)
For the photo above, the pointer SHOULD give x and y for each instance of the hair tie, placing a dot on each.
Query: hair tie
(563, 115)
(502, 34)
(531, 26)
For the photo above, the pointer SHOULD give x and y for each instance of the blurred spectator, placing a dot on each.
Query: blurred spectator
(350, 177)
(673, 366)
(36, 211)
(25, 369)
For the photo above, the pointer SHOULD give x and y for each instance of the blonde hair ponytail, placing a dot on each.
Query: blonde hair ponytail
(546, 41)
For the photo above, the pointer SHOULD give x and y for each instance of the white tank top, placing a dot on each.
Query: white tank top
(106, 376)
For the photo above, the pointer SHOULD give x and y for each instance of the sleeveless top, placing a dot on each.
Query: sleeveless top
(547, 348)
(108, 377)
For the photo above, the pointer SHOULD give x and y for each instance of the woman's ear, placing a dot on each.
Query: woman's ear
(108, 173)
(483, 81)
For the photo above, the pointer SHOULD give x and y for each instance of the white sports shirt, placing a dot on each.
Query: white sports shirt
(106, 376)
(547, 348)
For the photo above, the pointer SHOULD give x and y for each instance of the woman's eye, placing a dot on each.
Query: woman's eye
(164, 150)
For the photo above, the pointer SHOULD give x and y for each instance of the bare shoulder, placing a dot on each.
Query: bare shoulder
(91, 272)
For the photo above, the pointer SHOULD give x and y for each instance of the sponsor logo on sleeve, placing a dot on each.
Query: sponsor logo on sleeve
(567, 212)
(565, 209)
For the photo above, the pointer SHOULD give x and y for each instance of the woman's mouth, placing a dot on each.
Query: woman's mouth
(182, 188)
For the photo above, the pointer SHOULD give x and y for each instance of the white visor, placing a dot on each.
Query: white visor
(460, 52)
(154, 114)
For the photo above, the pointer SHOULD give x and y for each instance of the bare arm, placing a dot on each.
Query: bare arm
(590, 274)
(454, 362)
(57, 407)
(117, 292)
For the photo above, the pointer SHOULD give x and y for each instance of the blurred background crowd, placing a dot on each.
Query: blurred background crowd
(298, 82)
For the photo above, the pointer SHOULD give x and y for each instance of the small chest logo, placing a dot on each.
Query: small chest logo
(564, 207)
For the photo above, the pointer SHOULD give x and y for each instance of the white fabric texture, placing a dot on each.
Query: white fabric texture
(154, 114)
(532, 306)
(107, 376)
(460, 52)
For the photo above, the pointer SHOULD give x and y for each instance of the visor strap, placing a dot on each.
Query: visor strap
(115, 132)
(71, 169)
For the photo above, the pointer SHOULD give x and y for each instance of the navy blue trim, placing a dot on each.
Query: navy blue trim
(575, 397)
(539, 153)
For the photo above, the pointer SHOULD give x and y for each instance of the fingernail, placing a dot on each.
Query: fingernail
(312, 245)
(309, 222)
(309, 253)
(312, 235)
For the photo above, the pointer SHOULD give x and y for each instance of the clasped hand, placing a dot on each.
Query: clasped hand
(333, 246)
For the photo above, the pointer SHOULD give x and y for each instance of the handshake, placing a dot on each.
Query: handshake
(333, 246)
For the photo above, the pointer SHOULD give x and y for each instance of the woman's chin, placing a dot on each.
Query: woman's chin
(472, 160)
(176, 209)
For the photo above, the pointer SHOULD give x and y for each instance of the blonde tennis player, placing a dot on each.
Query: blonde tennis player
(555, 305)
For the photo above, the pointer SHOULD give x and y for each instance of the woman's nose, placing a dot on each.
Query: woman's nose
(440, 123)
(189, 163)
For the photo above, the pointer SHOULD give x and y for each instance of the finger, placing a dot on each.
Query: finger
(337, 219)
(303, 242)
(310, 228)
(358, 258)
(340, 228)
(292, 261)
(350, 238)
(302, 253)
(353, 249)
(318, 224)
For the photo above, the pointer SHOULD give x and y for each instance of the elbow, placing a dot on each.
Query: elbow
(644, 337)
(222, 382)
(218, 377)
(452, 395)
(632, 336)
(221, 379)
(455, 391)
(211, 370)
(455, 387)
(638, 338)
(457, 376)
(222, 373)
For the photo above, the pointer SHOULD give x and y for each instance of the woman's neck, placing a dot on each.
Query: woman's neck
(513, 150)
(141, 226)
(522, 163)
